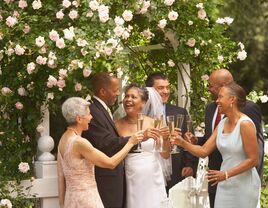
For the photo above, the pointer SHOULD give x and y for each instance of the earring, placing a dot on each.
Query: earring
(231, 105)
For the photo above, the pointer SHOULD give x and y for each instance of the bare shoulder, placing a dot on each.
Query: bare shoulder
(247, 125)
(82, 142)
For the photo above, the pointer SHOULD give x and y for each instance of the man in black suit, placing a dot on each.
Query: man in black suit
(183, 164)
(103, 135)
(217, 79)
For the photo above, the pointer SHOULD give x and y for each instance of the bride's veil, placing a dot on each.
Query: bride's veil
(153, 108)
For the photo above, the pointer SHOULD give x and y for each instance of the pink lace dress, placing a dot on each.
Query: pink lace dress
(81, 187)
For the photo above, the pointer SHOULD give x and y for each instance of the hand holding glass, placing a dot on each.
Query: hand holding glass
(139, 128)
(158, 123)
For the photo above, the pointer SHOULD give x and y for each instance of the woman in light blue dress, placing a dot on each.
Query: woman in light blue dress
(235, 137)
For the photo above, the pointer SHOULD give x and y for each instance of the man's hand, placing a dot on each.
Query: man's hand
(187, 171)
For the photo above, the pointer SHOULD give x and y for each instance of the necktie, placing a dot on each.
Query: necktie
(217, 120)
(110, 113)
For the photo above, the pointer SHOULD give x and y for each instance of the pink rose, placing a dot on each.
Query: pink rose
(162, 23)
(173, 15)
(40, 41)
(86, 72)
(53, 35)
(19, 50)
(11, 21)
(19, 105)
(24, 167)
(22, 91)
(118, 30)
(78, 87)
(26, 28)
(41, 60)
(202, 14)
(66, 3)
(63, 73)
(93, 5)
(191, 42)
(22, 4)
(51, 81)
(30, 67)
(61, 83)
(60, 43)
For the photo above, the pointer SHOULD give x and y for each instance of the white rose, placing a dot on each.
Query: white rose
(5, 91)
(66, 3)
(220, 58)
(59, 14)
(69, 33)
(40, 41)
(6, 203)
(228, 20)
(24, 167)
(108, 51)
(242, 55)
(200, 6)
(190, 22)
(205, 77)
(169, 2)
(53, 35)
(125, 35)
(37, 4)
(241, 45)
(73, 14)
(171, 63)
(63, 73)
(22, 91)
(19, 50)
(220, 21)
(93, 5)
(264, 98)
(173, 15)
(86, 72)
(118, 30)
(31, 67)
(41, 60)
(196, 52)
(191, 42)
(119, 20)
(201, 14)
(103, 16)
(51, 81)
(127, 15)
(103, 8)
(162, 23)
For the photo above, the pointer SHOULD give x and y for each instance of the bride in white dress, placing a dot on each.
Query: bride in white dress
(145, 181)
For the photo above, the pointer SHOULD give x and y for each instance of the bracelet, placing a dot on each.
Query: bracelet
(226, 175)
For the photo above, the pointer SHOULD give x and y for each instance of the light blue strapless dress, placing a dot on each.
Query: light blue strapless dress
(240, 191)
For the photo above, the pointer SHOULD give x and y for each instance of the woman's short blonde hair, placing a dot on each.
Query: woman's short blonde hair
(73, 107)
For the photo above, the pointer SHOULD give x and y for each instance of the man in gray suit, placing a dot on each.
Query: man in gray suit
(217, 79)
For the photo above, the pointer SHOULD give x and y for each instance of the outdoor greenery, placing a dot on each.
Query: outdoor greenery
(48, 50)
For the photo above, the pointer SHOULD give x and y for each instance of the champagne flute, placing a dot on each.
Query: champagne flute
(179, 123)
(139, 128)
(189, 124)
(158, 123)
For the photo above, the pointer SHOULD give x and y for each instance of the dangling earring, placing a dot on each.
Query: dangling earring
(231, 105)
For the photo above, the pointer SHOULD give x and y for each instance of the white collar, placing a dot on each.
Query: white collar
(102, 102)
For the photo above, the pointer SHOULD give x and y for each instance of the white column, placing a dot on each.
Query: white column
(184, 83)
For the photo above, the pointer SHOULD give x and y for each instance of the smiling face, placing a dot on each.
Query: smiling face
(84, 120)
(225, 100)
(110, 93)
(162, 86)
(133, 102)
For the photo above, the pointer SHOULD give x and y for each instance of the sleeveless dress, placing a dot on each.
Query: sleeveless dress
(243, 189)
(145, 183)
(81, 188)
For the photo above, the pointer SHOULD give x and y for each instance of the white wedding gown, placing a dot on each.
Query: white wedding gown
(144, 179)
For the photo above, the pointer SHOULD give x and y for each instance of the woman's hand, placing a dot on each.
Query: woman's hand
(164, 131)
(189, 137)
(215, 176)
(151, 133)
(136, 138)
(176, 139)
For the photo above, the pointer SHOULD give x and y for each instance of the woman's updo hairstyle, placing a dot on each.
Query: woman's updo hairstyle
(143, 92)
(236, 90)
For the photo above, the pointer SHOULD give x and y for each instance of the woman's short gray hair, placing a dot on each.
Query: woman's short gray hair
(73, 107)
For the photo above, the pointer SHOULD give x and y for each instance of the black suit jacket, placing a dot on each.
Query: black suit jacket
(102, 134)
(215, 159)
(182, 159)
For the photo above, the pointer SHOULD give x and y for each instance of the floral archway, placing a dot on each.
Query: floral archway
(48, 50)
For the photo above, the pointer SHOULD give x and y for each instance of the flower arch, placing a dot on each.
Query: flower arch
(48, 50)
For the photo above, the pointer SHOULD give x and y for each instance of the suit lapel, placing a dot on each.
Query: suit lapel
(105, 112)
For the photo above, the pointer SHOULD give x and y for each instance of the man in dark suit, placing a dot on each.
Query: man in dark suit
(183, 164)
(217, 79)
(103, 135)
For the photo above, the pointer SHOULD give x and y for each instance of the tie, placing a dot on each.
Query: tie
(217, 120)
(110, 113)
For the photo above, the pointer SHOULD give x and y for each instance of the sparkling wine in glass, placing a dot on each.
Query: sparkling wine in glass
(139, 128)
(158, 123)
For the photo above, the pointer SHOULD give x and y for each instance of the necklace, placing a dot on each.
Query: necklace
(72, 129)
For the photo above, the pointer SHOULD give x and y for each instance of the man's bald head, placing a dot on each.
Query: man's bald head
(217, 79)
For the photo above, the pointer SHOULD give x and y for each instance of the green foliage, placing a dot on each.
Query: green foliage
(264, 191)
(40, 69)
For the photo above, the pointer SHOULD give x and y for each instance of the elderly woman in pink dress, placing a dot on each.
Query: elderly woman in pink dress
(77, 157)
